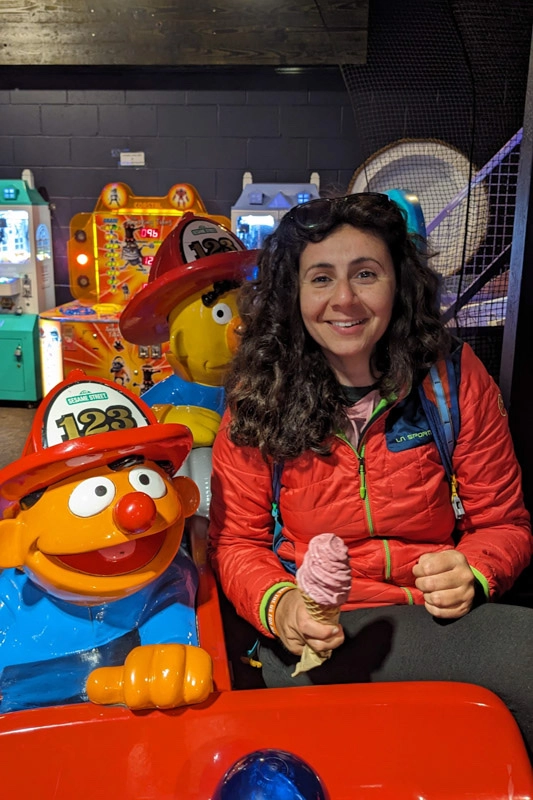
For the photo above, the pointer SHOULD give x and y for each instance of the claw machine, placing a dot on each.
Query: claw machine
(110, 251)
(26, 285)
(260, 206)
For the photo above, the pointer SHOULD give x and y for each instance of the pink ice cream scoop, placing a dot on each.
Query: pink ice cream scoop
(325, 575)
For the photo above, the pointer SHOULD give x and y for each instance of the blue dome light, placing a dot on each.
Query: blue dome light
(270, 775)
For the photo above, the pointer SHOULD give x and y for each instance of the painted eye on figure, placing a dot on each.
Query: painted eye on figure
(222, 313)
(91, 496)
(148, 481)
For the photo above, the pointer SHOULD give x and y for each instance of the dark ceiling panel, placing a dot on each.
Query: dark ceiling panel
(183, 32)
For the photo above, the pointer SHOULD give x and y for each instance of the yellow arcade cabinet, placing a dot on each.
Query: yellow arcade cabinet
(110, 253)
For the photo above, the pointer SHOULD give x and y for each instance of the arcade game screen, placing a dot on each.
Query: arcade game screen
(253, 230)
(14, 237)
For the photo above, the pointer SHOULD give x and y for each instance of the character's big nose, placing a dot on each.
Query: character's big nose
(233, 334)
(135, 512)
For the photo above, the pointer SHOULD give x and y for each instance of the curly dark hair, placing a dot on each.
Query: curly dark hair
(283, 395)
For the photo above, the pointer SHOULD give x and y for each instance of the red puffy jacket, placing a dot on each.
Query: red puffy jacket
(402, 510)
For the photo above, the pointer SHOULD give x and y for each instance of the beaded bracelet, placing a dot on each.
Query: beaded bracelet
(273, 604)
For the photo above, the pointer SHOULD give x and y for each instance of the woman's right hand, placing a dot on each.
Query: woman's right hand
(296, 627)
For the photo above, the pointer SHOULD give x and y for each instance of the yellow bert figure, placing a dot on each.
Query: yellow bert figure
(191, 302)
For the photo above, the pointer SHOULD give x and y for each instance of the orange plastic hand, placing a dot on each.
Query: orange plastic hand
(154, 676)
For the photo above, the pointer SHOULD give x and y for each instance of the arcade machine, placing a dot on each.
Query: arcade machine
(110, 252)
(260, 206)
(26, 285)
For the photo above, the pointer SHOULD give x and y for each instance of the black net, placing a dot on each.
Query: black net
(438, 109)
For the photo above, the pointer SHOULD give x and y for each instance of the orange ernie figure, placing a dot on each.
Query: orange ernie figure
(98, 597)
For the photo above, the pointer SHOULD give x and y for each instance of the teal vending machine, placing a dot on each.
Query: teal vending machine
(26, 285)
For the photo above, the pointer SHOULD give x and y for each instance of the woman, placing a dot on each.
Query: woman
(340, 328)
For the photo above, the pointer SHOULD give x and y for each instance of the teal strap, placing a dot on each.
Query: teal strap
(440, 421)
(444, 411)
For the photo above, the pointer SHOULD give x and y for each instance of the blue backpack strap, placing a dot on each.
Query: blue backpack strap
(444, 421)
(440, 420)
(278, 537)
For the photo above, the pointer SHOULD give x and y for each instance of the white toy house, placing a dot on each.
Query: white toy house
(260, 206)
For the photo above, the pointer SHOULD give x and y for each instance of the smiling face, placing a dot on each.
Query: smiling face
(347, 289)
(106, 534)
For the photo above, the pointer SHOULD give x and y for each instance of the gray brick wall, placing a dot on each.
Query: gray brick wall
(205, 130)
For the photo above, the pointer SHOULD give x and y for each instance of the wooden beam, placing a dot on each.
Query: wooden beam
(183, 32)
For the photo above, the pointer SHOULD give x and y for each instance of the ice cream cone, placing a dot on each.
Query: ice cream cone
(324, 580)
(328, 615)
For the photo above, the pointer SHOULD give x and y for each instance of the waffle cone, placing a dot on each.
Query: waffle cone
(328, 615)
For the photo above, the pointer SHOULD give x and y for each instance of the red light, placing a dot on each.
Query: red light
(149, 233)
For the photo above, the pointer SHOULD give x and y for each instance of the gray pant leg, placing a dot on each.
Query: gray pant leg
(492, 646)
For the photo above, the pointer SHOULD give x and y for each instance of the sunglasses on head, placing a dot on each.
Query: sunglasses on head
(314, 213)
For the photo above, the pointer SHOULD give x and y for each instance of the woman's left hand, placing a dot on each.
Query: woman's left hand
(447, 583)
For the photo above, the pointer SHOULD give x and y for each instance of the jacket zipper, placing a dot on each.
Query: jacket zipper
(380, 409)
